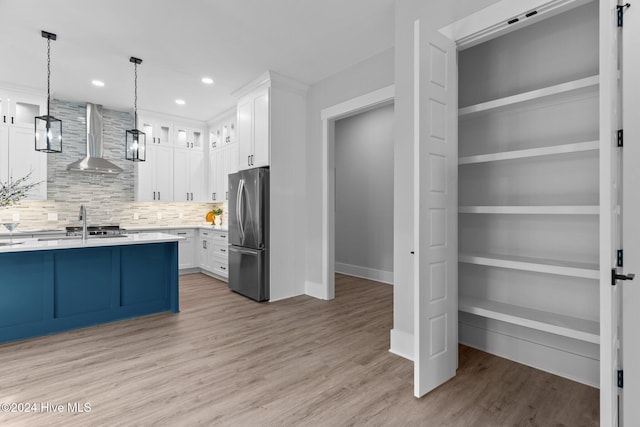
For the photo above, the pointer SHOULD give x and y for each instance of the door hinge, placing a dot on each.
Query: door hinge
(621, 8)
(619, 258)
(620, 378)
(620, 138)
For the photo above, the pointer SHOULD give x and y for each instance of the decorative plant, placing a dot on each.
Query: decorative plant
(11, 192)
(217, 212)
(211, 216)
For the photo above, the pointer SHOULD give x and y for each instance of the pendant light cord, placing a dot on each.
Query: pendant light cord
(135, 98)
(48, 75)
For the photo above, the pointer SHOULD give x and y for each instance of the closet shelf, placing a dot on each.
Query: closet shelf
(571, 86)
(532, 152)
(539, 265)
(559, 324)
(531, 210)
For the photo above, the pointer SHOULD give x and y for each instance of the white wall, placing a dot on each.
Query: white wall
(364, 194)
(367, 76)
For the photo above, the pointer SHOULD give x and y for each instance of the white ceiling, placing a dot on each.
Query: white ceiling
(180, 41)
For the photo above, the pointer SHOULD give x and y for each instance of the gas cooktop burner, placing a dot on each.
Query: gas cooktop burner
(96, 230)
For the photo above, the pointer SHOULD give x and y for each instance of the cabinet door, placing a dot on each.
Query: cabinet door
(164, 174)
(22, 112)
(145, 176)
(261, 129)
(4, 149)
(205, 250)
(146, 126)
(197, 176)
(196, 137)
(23, 158)
(213, 176)
(181, 175)
(245, 137)
(162, 133)
(182, 137)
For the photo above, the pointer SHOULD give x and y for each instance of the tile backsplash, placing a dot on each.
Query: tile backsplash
(109, 199)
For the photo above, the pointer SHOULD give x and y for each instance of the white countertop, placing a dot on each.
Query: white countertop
(34, 244)
(176, 227)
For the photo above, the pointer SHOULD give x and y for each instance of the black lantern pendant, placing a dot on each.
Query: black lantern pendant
(48, 128)
(135, 140)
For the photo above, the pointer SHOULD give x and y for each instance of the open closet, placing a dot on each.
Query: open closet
(516, 194)
(528, 226)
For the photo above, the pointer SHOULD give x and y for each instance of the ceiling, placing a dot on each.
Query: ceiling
(231, 41)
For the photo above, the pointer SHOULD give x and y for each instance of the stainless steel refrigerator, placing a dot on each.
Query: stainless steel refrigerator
(249, 233)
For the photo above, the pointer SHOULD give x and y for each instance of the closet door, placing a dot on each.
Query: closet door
(435, 209)
(630, 215)
(610, 224)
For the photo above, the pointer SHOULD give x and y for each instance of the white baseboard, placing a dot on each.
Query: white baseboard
(576, 367)
(316, 290)
(365, 273)
(401, 344)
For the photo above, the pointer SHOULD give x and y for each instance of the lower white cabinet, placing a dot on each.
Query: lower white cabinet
(213, 249)
(186, 248)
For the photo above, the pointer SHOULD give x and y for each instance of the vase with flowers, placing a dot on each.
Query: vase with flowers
(11, 193)
(211, 216)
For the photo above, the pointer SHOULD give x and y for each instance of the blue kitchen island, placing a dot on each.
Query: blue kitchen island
(57, 285)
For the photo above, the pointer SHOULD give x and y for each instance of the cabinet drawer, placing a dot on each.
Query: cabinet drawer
(220, 236)
(188, 233)
(220, 268)
(220, 249)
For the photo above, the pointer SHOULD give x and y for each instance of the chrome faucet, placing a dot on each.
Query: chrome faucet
(83, 217)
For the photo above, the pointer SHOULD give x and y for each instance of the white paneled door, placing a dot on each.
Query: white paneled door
(435, 209)
(630, 215)
(610, 224)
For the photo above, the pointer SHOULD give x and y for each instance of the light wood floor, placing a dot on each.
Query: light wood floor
(226, 360)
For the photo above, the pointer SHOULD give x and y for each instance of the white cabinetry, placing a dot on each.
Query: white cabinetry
(18, 156)
(157, 131)
(254, 128)
(154, 177)
(189, 175)
(213, 256)
(186, 248)
(222, 162)
(188, 137)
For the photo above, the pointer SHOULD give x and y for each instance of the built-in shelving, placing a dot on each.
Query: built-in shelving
(532, 152)
(531, 210)
(572, 86)
(555, 323)
(563, 268)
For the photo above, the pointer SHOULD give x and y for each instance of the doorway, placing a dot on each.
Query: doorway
(361, 104)
(364, 194)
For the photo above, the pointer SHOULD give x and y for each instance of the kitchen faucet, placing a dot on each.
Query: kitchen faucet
(83, 217)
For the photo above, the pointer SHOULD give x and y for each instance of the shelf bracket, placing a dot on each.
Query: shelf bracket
(621, 9)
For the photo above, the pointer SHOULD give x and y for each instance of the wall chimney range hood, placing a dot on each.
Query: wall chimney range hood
(93, 161)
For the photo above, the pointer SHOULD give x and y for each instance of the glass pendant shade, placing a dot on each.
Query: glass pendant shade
(48, 134)
(135, 145)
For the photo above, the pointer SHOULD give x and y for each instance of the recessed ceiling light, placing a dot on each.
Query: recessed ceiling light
(180, 101)
(97, 83)
(207, 80)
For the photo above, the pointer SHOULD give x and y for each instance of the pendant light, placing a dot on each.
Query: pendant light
(48, 128)
(135, 140)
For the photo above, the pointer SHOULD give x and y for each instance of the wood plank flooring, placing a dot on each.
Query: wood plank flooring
(226, 360)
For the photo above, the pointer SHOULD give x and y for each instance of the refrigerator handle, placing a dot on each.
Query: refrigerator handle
(239, 209)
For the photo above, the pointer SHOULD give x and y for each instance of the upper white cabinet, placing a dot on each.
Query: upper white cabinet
(254, 129)
(223, 156)
(158, 132)
(189, 175)
(154, 177)
(188, 137)
(17, 141)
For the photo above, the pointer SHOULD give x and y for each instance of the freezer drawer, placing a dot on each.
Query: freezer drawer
(248, 272)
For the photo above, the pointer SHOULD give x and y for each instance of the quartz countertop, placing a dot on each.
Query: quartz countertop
(176, 227)
(37, 244)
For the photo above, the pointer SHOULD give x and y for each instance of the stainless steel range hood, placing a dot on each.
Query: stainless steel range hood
(93, 162)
